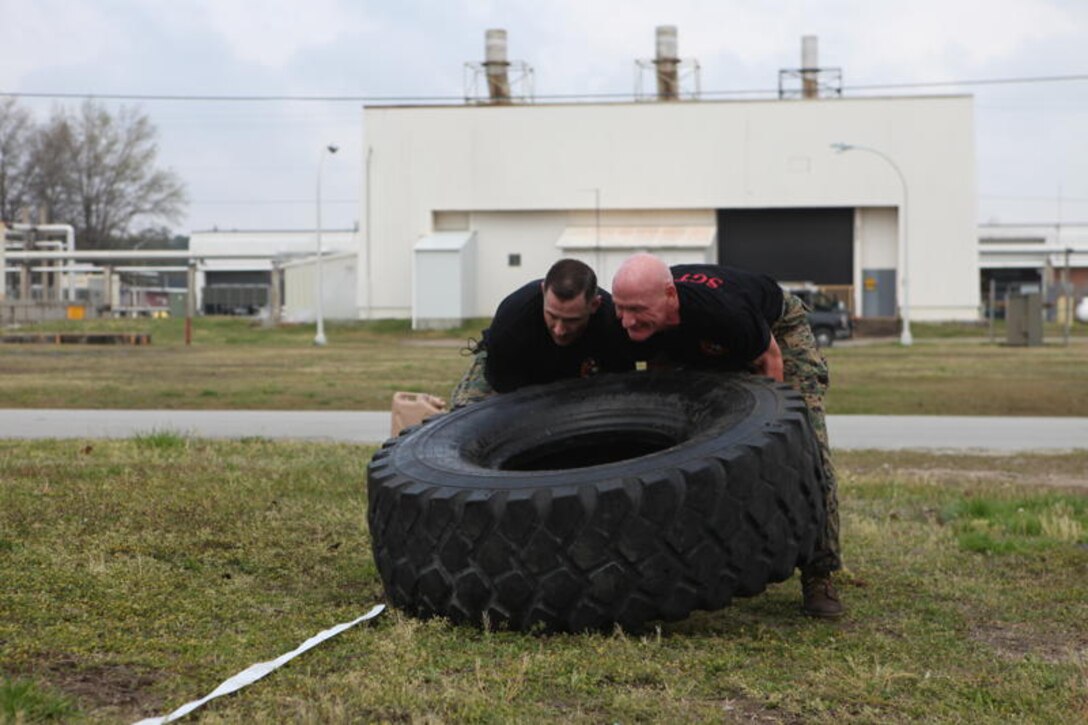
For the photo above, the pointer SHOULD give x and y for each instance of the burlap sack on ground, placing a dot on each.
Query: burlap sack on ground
(412, 408)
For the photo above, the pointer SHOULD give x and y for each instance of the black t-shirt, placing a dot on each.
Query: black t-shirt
(521, 352)
(726, 315)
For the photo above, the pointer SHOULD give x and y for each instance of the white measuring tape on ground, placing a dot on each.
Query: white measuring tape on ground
(255, 672)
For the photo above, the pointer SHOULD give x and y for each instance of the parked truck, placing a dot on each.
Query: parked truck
(828, 317)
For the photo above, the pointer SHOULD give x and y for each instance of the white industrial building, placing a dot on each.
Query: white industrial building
(752, 183)
(462, 204)
(1050, 259)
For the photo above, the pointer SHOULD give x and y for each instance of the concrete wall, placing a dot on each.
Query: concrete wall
(277, 245)
(530, 235)
(530, 168)
(338, 282)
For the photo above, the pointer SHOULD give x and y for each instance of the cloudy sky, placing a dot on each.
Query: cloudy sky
(252, 164)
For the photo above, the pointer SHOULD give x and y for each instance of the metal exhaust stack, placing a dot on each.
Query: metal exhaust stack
(810, 67)
(496, 65)
(667, 62)
(814, 80)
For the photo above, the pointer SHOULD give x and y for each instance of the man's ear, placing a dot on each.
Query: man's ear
(670, 290)
(594, 304)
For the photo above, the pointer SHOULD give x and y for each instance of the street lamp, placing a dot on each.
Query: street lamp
(905, 338)
(319, 338)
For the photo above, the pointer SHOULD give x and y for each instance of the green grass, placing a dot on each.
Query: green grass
(957, 377)
(1018, 524)
(231, 331)
(238, 364)
(160, 440)
(235, 364)
(947, 330)
(139, 574)
(24, 701)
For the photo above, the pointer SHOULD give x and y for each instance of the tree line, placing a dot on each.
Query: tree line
(90, 168)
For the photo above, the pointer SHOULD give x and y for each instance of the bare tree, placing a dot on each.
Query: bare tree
(48, 172)
(15, 133)
(97, 172)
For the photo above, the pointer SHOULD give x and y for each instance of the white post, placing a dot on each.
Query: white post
(905, 337)
(366, 240)
(319, 338)
(3, 261)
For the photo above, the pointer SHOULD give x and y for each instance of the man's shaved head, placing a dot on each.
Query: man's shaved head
(644, 296)
(642, 270)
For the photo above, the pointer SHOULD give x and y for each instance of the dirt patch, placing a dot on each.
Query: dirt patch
(1015, 478)
(742, 710)
(433, 343)
(1069, 471)
(1017, 642)
(117, 688)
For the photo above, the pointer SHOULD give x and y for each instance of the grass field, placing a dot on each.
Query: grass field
(238, 364)
(140, 574)
(235, 364)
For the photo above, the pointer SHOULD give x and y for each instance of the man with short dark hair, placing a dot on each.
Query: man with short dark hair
(712, 316)
(560, 327)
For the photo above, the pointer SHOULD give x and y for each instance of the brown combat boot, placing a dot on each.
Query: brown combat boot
(820, 597)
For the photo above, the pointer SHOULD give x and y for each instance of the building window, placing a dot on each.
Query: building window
(513, 260)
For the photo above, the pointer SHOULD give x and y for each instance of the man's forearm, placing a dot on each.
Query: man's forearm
(770, 362)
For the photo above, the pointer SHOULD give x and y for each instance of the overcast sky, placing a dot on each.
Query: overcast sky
(253, 165)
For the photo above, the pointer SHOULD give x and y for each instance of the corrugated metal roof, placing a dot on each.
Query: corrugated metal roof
(444, 242)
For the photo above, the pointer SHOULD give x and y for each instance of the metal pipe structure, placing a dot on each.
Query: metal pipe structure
(81, 269)
(810, 67)
(69, 243)
(496, 65)
(905, 338)
(667, 61)
(121, 255)
(1034, 250)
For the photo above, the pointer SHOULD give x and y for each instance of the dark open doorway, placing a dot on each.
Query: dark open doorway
(799, 245)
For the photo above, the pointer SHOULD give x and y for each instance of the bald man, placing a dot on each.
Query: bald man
(713, 316)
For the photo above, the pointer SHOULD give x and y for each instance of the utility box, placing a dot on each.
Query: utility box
(444, 280)
(1024, 319)
(177, 303)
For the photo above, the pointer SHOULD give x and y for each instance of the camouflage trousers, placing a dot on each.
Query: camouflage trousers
(805, 369)
(473, 386)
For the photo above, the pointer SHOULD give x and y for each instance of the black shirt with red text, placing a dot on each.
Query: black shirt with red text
(521, 352)
(726, 315)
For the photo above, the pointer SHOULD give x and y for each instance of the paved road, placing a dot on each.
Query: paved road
(884, 432)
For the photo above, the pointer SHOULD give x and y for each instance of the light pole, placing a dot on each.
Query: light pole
(319, 338)
(905, 337)
(597, 226)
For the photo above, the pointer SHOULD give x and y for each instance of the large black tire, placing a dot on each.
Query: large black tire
(586, 503)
